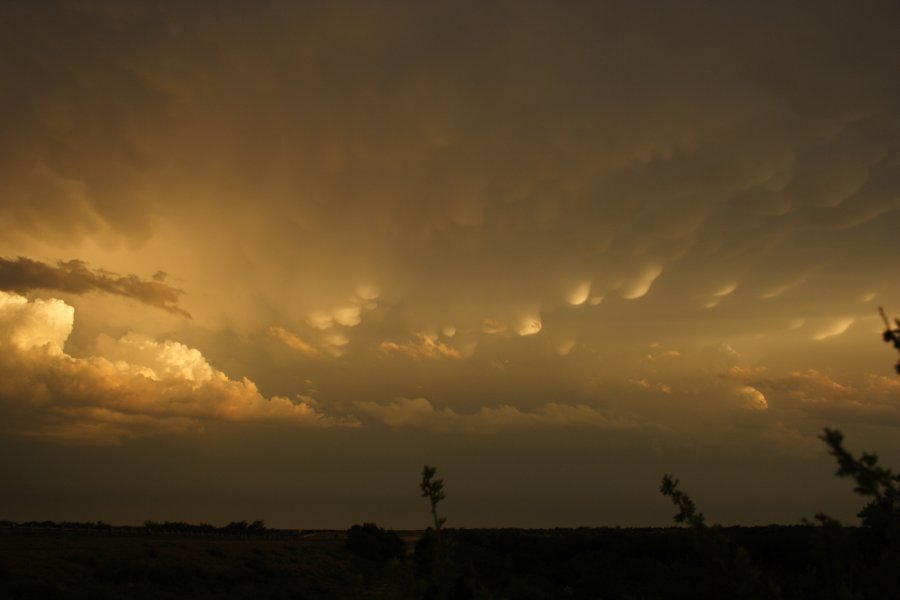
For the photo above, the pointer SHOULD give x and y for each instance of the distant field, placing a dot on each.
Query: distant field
(92, 565)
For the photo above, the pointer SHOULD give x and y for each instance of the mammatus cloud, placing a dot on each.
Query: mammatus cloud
(136, 386)
(419, 413)
(596, 169)
(834, 328)
(23, 275)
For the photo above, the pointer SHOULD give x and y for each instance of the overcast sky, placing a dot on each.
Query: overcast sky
(265, 260)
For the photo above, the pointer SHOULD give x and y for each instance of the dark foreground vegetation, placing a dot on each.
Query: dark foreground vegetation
(802, 561)
(757, 562)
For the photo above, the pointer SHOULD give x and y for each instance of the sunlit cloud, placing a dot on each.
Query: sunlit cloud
(348, 316)
(579, 294)
(753, 398)
(528, 325)
(717, 296)
(425, 346)
(836, 327)
(43, 324)
(819, 395)
(725, 290)
(136, 386)
(320, 319)
(639, 287)
(780, 290)
(158, 360)
(334, 343)
(294, 342)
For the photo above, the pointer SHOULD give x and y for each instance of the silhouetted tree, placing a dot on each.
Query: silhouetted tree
(882, 513)
(258, 526)
(891, 335)
(374, 543)
(687, 510)
(870, 563)
(243, 527)
(725, 561)
(434, 561)
(433, 489)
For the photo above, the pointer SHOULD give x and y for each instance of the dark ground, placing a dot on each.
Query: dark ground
(757, 562)
(97, 566)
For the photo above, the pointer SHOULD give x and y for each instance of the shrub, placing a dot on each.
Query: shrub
(374, 543)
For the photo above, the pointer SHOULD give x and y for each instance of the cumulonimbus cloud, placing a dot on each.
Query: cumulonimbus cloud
(136, 386)
(74, 276)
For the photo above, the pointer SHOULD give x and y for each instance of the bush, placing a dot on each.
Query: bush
(374, 543)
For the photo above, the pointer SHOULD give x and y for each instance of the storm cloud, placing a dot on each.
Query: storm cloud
(660, 227)
(74, 276)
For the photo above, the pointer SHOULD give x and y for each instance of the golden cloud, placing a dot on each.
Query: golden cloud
(874, 399)
(425, 346)
(139, 385)
(294, 342)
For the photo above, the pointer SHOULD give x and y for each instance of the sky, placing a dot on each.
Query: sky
(266, 260)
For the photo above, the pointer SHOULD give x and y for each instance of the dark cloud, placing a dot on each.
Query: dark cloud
(75, 277)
